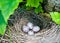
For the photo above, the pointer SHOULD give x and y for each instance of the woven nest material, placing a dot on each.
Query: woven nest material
(47, 34)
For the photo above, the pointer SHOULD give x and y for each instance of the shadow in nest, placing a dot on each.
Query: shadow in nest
(32, 17)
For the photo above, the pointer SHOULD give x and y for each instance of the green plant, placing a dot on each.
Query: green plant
(38, 9)
(55, 17)
(36, 4)
(7, 7)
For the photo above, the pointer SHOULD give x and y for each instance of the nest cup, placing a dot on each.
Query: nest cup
(30, 16)
(20, 18)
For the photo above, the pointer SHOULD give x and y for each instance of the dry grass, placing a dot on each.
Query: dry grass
(14, 34)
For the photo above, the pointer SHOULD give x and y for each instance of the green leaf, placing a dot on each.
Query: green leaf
(7, 7)
(41, 1)
(33, 3)
(2, 24)
(55, 17)
(39, 9)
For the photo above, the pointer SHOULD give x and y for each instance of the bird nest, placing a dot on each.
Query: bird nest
(49, 32)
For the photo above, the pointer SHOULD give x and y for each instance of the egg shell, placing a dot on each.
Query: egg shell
(36, 28)
(30, 25)
(25, 28)
(30, 33)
